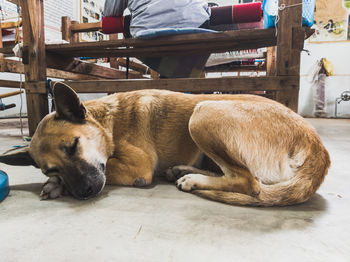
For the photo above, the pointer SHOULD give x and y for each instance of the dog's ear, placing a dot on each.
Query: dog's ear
(18, 157)
(68, 104)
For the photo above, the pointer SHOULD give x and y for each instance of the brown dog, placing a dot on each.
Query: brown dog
(237, 149)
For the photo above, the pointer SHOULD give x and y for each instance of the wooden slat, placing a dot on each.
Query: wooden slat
(216, 37)
(134, 66)
(271, 61)
(10, 25)
(13, 66)
(224, 84)
(165, 46)
(225, 41)
(186, 44)
(81, 70)
(9, 83)
(81, 67)
(86, 27)
(65, 26)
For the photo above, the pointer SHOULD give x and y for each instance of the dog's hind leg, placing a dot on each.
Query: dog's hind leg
(209, 129)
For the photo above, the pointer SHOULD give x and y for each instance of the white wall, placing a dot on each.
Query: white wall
(339, 55)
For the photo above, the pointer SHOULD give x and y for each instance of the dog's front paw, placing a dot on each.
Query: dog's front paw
(52, 189)
(174, 173)
(189, 182)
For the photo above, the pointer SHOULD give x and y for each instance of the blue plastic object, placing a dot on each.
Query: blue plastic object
(270, 8)
(4, 185)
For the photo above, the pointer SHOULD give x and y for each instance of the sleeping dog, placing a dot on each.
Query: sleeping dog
(236, 149)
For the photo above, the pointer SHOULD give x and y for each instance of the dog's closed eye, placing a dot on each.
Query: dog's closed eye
(71, 150)
(51, 171)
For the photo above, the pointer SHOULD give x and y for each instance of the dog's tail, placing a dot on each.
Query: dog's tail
(298, 189)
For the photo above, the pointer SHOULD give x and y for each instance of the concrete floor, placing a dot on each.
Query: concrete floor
(164, 224)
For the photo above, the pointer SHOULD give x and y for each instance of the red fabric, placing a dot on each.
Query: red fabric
(112, 24)
(244, 13)
(8, 31)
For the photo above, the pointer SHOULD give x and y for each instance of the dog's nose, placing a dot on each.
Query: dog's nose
(88, 192)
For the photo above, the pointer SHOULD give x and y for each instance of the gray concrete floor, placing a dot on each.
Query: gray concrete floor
(163, 224)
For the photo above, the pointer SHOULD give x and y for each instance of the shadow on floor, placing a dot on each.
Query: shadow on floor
(242, 218)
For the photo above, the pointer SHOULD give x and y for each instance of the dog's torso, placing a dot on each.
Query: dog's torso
(157, 121)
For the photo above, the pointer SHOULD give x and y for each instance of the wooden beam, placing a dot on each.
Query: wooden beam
(172, 45)
(81, 67)
(224, 84)
(72, 69)
(113, 61)
(35, 70)
(13, 66)
(271, 61)
(134, 66)
(86, 27)
(65, 28)
(10, 25)
(290, 41)
(9, 83)
(229, 41)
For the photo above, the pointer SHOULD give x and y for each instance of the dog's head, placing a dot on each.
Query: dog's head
(68, 143)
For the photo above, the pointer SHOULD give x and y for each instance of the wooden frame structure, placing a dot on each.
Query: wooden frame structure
(283, 64)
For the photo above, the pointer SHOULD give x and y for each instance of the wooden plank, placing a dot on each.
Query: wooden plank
(13, 66)
(10, 25)
(86, 27)
(113, 61)
(81, 67)
(35, 70)
(267, 34)
(271, 61)
(265, 38)
(65, 28)
(186, 44)
(224, 84)
(289, 46)
(156, 51)
(134, 66)
(7, 49)
(75, 70)
(74, 36)
(9, 83)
